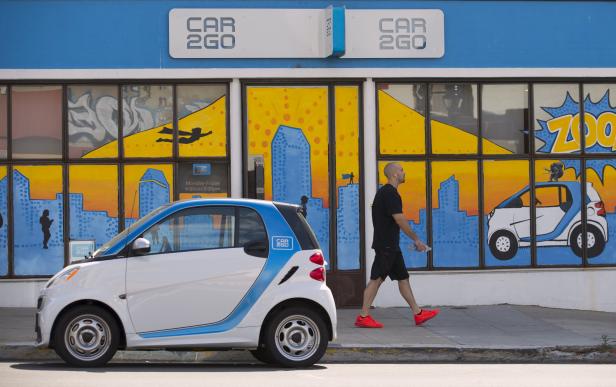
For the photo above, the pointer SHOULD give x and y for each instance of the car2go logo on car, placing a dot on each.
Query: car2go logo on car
(198, 273)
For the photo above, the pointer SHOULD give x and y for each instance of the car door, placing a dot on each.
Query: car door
(521, 216)
(197, 270)
(548, 208)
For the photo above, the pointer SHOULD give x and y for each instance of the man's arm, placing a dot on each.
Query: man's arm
(404, 226)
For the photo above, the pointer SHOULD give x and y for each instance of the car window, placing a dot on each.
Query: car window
(251, 227)
(548, 197)
(525, 197)
(193, 229)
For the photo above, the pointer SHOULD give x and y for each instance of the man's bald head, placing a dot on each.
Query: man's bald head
(391, 169)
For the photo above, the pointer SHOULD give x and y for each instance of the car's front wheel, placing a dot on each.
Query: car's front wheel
(503, 245)
(295, 337)
(595, 242)
(86, 336)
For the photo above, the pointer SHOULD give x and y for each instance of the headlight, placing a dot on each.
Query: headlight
(64, 276)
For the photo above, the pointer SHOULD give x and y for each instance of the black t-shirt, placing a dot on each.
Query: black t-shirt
(387, 202)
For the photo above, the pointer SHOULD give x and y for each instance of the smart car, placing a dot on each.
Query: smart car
(196, 274)
(558, 216)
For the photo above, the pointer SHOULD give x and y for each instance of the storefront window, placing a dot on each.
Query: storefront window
(147, 113)
(4, 223)
(202, 125)
(38, 217)
(453, 118)
(93, 211)
(455, 221)
(558, 202)
(146, 187)
(3, 121)
(36, 122)
(504, 119)
(506, 201)
(347, 178)
(288, 137)
(557, 118)
(601, 211)
(401, 115)
(413, 194)
(600, 118)
(92, 121)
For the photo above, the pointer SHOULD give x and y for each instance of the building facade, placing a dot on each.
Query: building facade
(502, 113)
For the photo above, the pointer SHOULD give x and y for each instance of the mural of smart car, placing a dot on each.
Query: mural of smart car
(559, 222)
(200, 274)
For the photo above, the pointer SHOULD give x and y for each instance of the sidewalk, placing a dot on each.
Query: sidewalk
(494, 333)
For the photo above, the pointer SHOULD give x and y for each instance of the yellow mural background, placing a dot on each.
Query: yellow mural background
(606, 190)
(2, 172)
(466, 174)
(413, 190)
(132, 175)
(99, 186)
(401, 129)
(347, 133)
(143, 144)
(214, 118)
(45, 181)
(502, 179)
(299, 107)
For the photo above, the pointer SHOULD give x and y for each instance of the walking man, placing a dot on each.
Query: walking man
(388, 219)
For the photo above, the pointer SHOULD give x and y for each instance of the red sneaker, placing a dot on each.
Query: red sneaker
(367, 322)
(425, 315)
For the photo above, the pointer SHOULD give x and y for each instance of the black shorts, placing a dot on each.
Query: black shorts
(389, 263)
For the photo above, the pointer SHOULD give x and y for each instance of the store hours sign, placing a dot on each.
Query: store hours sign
(250, 33)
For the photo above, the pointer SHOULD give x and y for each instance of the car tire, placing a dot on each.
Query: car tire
(295, 337)
(86, 336)
(503, 245)
(595, 242)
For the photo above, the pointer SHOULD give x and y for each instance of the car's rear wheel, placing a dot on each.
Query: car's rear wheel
(503, 245)
(295, 337)
(595, 242)
(86, 336)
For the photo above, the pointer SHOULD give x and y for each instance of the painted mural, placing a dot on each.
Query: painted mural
(507, 204)
(4, 256)
(93, 211)
(413, 194)
(288, 129)
(38, 218)
(347, 177)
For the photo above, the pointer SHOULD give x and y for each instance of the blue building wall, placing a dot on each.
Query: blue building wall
(134, 34)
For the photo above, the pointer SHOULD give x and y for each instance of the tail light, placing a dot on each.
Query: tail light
(600, 208)
(317, 258)
(318, 274)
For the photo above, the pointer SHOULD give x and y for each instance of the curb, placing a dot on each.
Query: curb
(352, 354)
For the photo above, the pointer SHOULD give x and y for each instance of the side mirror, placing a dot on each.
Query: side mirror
(140, 246)
(256, 248)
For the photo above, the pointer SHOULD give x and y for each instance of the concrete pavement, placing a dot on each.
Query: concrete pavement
(493, 333)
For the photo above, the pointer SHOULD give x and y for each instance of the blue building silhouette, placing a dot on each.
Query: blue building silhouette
(4, 253)
(153, 191)
(455, 233)
(292, 179)
(90, 225)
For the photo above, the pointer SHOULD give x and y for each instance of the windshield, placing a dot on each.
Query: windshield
(101, 251)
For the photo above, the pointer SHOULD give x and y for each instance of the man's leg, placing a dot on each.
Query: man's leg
(369, 294)
(405, 290)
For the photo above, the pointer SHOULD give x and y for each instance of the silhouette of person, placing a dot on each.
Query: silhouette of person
(45, 226)
(304, 209)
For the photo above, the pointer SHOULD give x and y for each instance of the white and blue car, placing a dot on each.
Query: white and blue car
(558, 207)
(196, 274)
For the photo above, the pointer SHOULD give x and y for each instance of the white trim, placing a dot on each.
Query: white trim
(370, 167)
(231, 73)
(235, 137)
